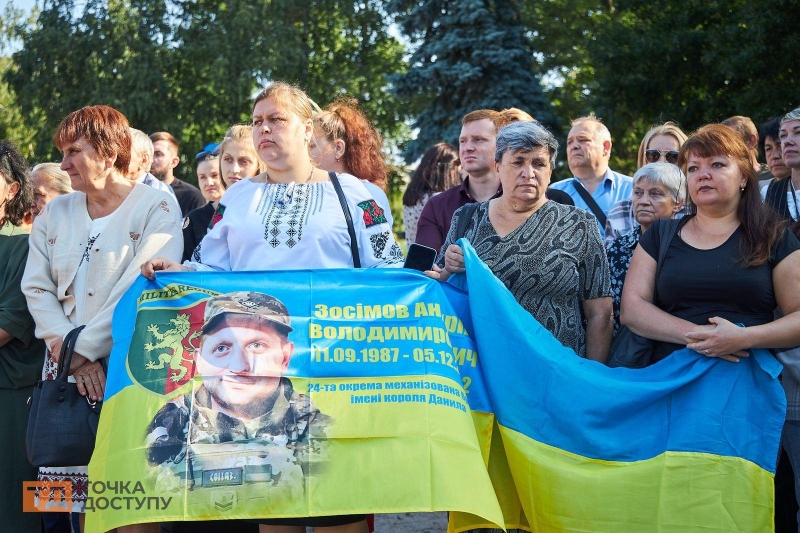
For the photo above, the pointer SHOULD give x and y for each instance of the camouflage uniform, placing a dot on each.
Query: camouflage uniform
(276, 448)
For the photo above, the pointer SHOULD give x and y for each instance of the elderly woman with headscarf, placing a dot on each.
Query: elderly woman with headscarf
(550, 256)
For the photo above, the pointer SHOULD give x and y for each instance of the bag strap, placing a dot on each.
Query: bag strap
(348, 218)
(666, 235)
(464, 218)
(65, 357)
(593, 207)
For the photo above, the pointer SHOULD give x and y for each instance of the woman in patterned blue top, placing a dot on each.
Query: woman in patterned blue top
(659, 190)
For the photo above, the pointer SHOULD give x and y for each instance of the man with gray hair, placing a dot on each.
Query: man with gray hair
(550, 256)
(141, 159)
(788, 196)
(595, 187)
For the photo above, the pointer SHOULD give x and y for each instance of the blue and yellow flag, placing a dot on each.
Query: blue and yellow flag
(689, 444)
(306, 393)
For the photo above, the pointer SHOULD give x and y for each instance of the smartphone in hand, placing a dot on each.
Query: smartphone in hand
(420, 257)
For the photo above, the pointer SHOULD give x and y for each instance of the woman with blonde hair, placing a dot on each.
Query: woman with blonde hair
(660, 144)
(238, 158)
(48, 181)
(233, 160)
(292, 216)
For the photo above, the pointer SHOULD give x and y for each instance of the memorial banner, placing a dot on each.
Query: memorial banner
(287, 394)
(283, 394)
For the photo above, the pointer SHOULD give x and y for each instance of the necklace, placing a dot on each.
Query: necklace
(311, 175)
(288, 194)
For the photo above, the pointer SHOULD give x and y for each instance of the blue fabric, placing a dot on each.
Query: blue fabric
(615, 187)
(687, 402)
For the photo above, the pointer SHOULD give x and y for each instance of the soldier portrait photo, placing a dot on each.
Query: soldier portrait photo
(245, 423)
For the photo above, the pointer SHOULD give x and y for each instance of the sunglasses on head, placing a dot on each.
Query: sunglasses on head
(652, 156)
(205, 154)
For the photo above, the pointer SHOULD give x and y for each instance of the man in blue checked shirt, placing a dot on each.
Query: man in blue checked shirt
(595, 187)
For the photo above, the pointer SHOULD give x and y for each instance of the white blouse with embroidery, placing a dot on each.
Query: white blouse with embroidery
(278, 226)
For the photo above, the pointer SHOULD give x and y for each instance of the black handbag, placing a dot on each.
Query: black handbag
(629, 349)
(62, 424)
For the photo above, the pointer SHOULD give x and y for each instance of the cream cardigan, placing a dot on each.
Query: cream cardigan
(145, 226)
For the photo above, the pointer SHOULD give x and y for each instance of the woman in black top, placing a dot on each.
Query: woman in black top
(195, 225)
(733, 261)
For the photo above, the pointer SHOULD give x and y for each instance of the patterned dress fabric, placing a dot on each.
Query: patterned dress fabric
(411, 216)
(551, 263)
(279, 226)
(619, 252)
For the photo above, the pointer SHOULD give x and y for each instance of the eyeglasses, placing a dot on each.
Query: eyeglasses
(206, 154)
(653, 155)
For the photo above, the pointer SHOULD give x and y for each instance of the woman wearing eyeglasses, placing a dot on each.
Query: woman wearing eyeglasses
(661, 144)
(732, 261)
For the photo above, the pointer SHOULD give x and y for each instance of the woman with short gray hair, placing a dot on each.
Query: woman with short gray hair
(659, 191)
(550, 256)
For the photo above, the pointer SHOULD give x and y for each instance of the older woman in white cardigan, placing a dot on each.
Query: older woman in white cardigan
(86, 249)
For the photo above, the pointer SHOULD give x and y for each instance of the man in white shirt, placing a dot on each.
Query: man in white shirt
(141, 159)
(588, 152)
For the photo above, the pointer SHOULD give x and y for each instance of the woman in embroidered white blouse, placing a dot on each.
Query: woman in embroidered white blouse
(291, 217)
(86, 249)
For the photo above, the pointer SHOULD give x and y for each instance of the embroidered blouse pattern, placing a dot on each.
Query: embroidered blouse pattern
(288, 205)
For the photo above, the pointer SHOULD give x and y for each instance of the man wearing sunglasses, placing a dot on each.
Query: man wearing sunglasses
(595, 187)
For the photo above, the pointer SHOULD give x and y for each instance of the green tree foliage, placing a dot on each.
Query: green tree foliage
(225, 50)
(698, 61)
(345, 49)
(191, 67)
(471, 54)
(636, 63)
(12, 126)
(562, 31)
(112, 54)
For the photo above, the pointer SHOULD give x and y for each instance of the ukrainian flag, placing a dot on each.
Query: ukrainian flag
(689, 444)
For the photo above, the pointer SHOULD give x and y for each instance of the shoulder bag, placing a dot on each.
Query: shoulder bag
(464, 218)
(593, 207)
(629, 349)
(62, 424)
(348, 218)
